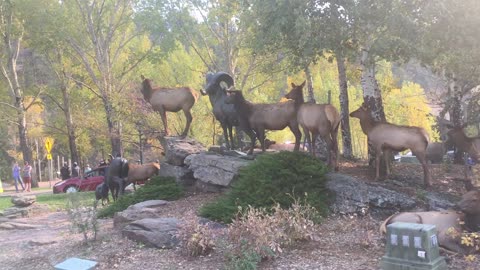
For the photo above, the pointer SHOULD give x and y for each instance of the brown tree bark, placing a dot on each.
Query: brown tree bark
(344, 111)
(72, 137)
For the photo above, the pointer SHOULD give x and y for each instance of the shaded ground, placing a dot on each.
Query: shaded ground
(342, 242)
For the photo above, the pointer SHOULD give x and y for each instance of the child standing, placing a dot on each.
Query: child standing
(27, 176)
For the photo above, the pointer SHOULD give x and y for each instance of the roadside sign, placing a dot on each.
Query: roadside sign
(49, 156)
(48, 144)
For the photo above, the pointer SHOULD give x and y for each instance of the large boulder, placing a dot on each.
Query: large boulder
(212, 170)
(146, 209)
(154, 232)
(23, 200)
(354, 196)
(182, 174)
(177, 149)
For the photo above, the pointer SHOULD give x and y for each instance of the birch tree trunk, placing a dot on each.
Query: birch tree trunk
(344, 111)
(310, 95)
(372, 97)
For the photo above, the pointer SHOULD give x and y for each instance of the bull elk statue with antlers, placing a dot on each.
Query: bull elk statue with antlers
(317, 119)
(386, 137)
(170, 99)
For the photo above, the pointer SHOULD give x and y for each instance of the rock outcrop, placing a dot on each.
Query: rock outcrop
(355, 196)
(147, 209)
(23, 200)
(177, 149)
(213, 171)
(153, 232)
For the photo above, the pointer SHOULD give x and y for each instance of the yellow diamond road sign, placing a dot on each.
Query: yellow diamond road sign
(48, 144)
(49, 156)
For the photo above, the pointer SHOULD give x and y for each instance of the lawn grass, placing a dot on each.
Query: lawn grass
(54, 201)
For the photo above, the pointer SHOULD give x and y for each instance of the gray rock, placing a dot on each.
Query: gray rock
(23, 200)
(354, 196)
(177, 149)
(182, 174)
(438, 201)
(215, 169)
(28, 211)
(154, 232)
(147, 209)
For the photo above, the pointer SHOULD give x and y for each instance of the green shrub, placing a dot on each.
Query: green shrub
(158, 188)
(268, 180)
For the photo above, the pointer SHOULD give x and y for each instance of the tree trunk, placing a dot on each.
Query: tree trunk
(113, 128)
(372, 97)
(344, 111)
(456, 113)
(308, 74)
(70, 126)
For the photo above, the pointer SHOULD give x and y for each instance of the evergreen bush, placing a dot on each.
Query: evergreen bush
(158, 188)
(271, 179)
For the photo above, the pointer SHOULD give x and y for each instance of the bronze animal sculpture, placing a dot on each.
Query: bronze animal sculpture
(468, 218)
(165, 100)
(137, 172)
(116, 174)
(386, 137)
(224, 113)
(254, 119)
(101, 193)
(470, 145)
(317, 119)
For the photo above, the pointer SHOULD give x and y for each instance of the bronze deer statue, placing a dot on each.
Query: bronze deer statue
(170, 99)
(254, 119)
(386, 137)
(141, 172)
(317, 119)
(467, 218)
(469, 145)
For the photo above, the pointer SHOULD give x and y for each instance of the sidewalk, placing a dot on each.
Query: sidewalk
(43, 188)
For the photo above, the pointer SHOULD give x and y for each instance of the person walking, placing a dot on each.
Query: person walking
(16, 176)
(65, 171)
(87, 169)
(27, 176)
(75, 169)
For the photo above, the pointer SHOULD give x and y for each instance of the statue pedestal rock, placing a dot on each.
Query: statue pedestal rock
(412, 246)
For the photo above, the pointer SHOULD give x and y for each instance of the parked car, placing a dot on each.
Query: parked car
(88, 182)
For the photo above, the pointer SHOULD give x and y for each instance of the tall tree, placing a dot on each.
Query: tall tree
(105, 40)
(12, 31)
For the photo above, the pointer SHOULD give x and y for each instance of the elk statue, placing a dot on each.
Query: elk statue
(468, 219)
(386, 137)
(224, 113)
(168, 99)
(470, 145)
(254, 119)
(138, 172)
(317, 119)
